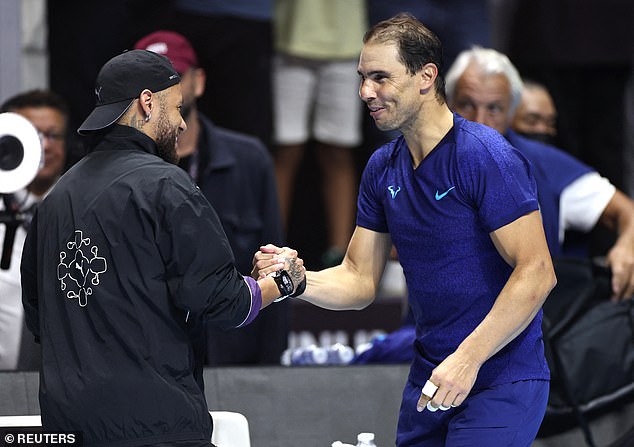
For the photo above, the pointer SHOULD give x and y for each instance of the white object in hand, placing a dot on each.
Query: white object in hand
(432, 408)
(429, 389)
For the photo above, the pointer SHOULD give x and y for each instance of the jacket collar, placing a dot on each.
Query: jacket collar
(120, 137)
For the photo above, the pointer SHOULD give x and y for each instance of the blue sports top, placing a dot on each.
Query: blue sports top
(554, 170)
(439, 216)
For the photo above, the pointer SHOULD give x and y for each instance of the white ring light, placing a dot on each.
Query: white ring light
(12, 124)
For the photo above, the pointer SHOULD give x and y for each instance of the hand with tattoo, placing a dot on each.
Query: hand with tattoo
(271, 258)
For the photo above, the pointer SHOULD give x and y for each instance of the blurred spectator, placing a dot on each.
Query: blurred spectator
(235, 172)
(48, 113)
(315, 87)
(483, 86)
(535, 116)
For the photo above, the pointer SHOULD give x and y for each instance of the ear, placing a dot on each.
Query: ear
(145, 102)
(428, 75)
(200, 78)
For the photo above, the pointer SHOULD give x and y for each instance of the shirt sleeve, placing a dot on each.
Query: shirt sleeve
(256, 300)
(500, 182)
(201, 274)
(370, 211)
(583, 201)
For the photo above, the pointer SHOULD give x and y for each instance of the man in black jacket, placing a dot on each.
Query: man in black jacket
(235, 172)
(123, 263)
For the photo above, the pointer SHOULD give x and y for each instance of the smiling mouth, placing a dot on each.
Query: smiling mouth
(374, 111)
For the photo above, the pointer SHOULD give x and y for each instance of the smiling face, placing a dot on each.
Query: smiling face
(170, 123)
(483, 98)
(390, 92)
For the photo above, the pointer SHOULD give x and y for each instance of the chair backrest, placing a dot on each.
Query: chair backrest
(230, 429)
(21, 421)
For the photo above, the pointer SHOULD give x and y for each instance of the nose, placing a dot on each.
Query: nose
(183, 125)
(480, 115)
(366, 92)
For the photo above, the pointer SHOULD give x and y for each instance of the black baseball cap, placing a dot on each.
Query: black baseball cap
(121, 80)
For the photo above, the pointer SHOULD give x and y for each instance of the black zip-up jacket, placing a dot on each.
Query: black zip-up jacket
(123, 261)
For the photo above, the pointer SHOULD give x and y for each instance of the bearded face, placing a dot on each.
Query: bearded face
(167, 135)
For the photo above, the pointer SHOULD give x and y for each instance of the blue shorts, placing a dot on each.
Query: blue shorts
(504, 415)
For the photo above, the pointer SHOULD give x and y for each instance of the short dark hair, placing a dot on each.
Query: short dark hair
(417, 45)
(36, 98)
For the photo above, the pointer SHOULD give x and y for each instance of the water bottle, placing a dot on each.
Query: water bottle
(340, 354)
(309, 355)
(285, 358)
(365, 440)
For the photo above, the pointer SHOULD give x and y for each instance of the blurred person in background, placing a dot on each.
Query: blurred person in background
(315, 87)
(48, 113)
(484, 86)
(536, 116)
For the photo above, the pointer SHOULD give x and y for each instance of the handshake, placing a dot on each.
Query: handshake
(284, 266)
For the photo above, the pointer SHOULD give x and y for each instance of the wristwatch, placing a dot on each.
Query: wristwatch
(284, 284)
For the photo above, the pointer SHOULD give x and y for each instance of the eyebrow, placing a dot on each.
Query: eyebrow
(374, 72)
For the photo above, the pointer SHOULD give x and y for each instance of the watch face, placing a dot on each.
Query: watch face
(284, 282)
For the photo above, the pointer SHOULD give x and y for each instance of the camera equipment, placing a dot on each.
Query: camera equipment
(20, 152)
(20, 158)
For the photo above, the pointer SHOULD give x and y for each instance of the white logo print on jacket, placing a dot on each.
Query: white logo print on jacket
(80, 268)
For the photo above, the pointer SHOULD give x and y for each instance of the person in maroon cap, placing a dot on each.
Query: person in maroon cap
(236, 174)
(124, 263)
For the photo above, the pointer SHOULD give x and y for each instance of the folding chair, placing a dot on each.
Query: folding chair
(231, 429)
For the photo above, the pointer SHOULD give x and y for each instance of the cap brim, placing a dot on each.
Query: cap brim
(104, 116)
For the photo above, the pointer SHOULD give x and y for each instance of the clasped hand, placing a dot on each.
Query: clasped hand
(270, 258)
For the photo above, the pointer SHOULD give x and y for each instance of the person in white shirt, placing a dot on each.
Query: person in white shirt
(48, 113)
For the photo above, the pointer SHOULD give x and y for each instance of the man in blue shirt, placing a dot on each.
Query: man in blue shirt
(460, 206)
(483, 86)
